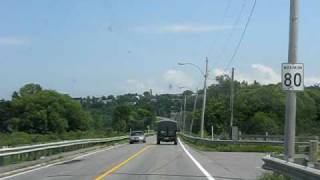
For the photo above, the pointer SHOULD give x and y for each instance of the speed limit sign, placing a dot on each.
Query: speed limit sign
(292, 77)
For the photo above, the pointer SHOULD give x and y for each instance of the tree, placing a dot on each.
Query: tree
(45, 111)
(260, 123)
(120, 119)
(146, 94)
(5, 114)
(15, 95)
(30, 89)
(187, 93)
(217, 115)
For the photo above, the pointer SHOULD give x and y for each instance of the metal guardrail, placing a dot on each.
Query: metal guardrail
(33, 152)
(22, 148)
(239, 142)
(25, 149)
(292, 170)
(269, 137)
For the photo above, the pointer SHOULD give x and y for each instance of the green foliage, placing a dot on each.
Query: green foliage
(260, 108)
(29, 90)
(34, 110)
(216, 115)
(253, 99)
(273, 176)
(262, 122)
(126, 117)
(121, 116)
(257, 109)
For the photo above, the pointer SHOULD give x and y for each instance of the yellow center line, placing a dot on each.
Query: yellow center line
(109, 172)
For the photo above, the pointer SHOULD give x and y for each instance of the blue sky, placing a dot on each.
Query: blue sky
(103, 47)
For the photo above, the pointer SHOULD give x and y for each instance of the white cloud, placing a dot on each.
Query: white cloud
(265, 74)
(13, 41)
(140, 86)
(309, 81)
(219, 72)
(259, 72)
(168, 82)
(159, 85)
(182, 28)
(178, 78)
(135, 86)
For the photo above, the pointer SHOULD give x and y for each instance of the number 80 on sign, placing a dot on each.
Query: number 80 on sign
(292, 77)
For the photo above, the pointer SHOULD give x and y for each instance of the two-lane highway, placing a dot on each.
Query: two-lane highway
(152, 162)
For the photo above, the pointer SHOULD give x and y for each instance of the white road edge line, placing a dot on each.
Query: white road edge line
(60, 162)
(204, 171)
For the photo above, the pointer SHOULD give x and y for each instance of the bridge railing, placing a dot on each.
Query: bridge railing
(33, 152)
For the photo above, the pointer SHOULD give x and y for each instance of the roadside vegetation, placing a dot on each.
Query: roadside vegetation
(273, 176)
(34, 114)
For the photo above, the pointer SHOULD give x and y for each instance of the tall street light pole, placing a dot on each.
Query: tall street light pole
(184, 108)
(204, 98)
(180, 118)
(184, 112)
(231, 98)
(194, 110)
(290, 122)
(205, 74)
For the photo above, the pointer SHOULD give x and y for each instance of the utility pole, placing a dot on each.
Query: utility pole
(204, 98)
(194, 110)
(184, 112)
(290, 122)
(231, 97)
(180, 116)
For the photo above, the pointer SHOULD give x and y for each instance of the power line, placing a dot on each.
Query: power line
(222, 21)
(234, 27)
(242, 35)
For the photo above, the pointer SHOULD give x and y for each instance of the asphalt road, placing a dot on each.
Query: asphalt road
(152, 162)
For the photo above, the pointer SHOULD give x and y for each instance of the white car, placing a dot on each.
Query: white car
(137, 136)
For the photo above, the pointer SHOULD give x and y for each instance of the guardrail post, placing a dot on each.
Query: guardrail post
(212, 133)
(313, 153)
(235, 133)
(266, 136)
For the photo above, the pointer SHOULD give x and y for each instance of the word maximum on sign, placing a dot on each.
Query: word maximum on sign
(292, 77)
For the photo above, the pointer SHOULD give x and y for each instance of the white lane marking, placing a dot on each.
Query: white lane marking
(204, 171)
(49, 165)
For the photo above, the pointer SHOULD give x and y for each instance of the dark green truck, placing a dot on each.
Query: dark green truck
(167, 131)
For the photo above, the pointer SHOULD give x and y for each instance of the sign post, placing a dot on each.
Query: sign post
(290, 122)
(292, 82)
